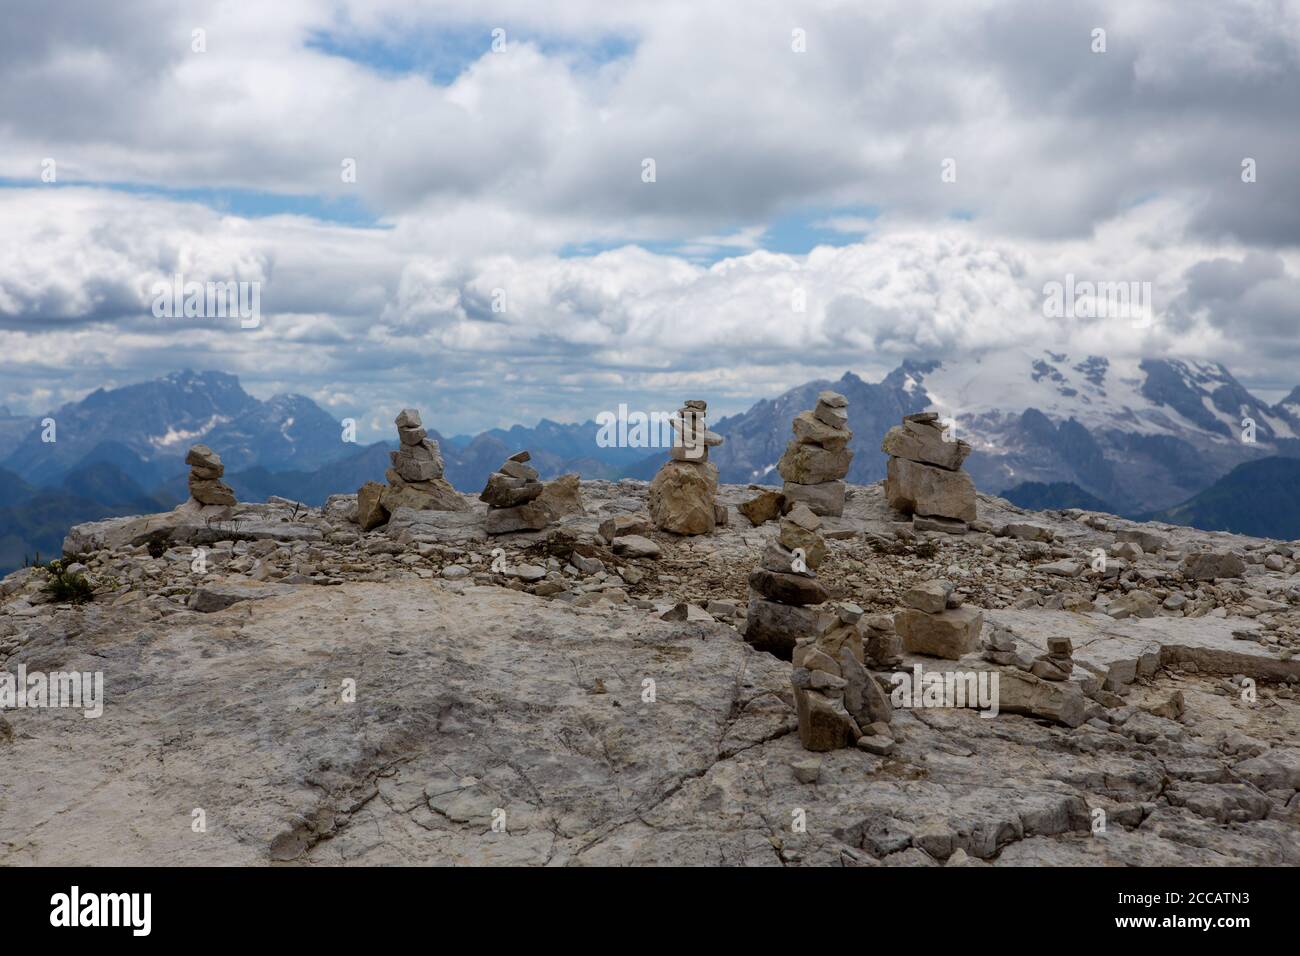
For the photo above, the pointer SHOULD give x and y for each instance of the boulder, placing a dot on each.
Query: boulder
(370, 512)
(928, 596)
(923, 442)
(812, 464)
(825, 499)
(948, 634)
(793, 536)
(636, 546)
(775, 628)
(201, 456)
(620, 525)
(219, 595)
(420, 462)
(914, 488)
(1211, 565)
(211, 491)
(681, 498)
(796, 589)
(1059, 701)
(811, 430)
(503, 491)
(764, 507)
(562, 497)
(527, 517)
(436, 495)
(863, 697)
(823, 723)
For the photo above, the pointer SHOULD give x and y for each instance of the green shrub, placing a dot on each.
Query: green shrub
(67, 588)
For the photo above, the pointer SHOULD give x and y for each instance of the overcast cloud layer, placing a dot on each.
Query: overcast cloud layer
(486, 178)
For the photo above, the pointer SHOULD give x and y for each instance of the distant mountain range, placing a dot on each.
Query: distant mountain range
(1258, 498)
(1148, 437)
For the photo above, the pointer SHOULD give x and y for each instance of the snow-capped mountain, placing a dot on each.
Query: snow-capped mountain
(1140, 435)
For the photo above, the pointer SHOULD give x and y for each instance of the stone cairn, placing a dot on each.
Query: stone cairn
(837, 701)
(934, 622)
(784, 588)
(206, 469)
(1057, 663)
(681, 497)
(511, 492)
(816, 461)
(924, 477)
(414, 480)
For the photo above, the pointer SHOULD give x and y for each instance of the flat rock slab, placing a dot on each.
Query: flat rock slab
(537, 707)
(1120, 651)
(219, 595)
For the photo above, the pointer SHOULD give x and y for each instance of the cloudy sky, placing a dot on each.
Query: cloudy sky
(500, 256)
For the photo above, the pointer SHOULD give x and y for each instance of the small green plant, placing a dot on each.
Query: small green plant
(65, 587)
(32, 562)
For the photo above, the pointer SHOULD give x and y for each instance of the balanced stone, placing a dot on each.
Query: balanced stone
(788, 588)
(205, 484)
(415, 478)
(681, 496)
(806, 464)
(924, 478)
(824, 499)
(817, 460)
(948, 634)
(503, 491)
(775, 628)
(924, 442)
(511, 494)
(810, 430)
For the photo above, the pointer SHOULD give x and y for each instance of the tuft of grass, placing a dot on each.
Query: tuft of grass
(67, 588)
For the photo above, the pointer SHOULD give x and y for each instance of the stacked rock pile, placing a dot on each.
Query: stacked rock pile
(1057, 663)
(837, 701)
(682, 494)
(924, 477)
(882, 646)
(934, 622)
(206, 469)
(415, 478)
(510, 493)
(784, 589)
(816, 461)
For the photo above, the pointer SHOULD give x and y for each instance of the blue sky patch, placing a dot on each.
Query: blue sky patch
(249, 203)
(441, 54)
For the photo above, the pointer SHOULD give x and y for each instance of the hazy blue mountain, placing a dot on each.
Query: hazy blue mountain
(1258, 498)
(1048, 430)
(1037, 496)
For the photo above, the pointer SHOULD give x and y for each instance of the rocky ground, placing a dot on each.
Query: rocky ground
(422, 693)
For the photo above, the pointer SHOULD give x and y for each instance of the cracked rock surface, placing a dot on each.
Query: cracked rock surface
(418, 694)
